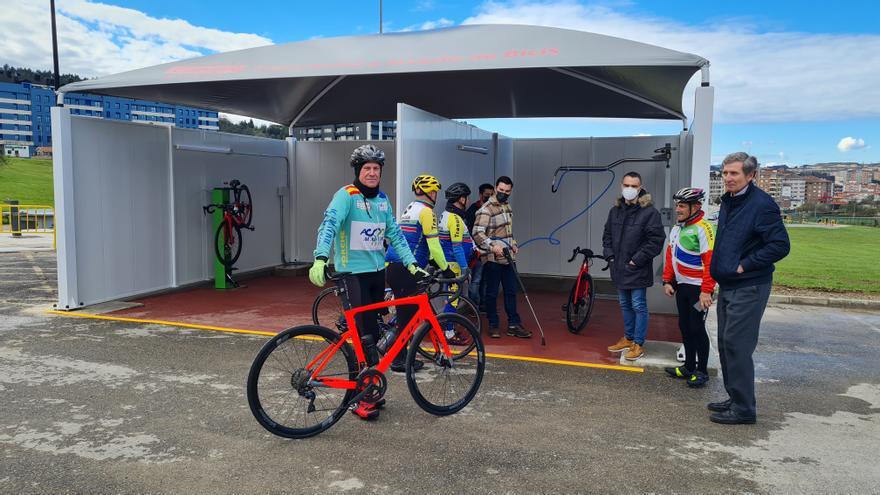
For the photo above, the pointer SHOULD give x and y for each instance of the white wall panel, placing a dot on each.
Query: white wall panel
(322, 167)
(197, 172)
(121, 202)
(428, 144)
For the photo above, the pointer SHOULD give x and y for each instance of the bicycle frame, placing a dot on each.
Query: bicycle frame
(424, 316)
(585, 270)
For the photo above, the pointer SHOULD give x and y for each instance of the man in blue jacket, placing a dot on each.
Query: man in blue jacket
(750, 238)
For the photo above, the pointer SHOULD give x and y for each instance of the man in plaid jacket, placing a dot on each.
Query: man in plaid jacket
(492, 233)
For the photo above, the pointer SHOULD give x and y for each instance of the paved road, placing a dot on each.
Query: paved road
(100, 406)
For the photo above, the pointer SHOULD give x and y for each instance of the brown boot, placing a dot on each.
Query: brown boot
(635, 351)
(621, 345)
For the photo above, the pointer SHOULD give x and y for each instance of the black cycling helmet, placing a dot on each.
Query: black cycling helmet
(457, 190)
(689, 195)
(367, 153)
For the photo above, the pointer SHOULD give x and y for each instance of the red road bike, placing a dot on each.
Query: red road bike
(237, 215)
(582, 293)
(304, 378)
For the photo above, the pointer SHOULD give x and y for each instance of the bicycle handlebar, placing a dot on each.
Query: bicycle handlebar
(589, 255)
(432, 278)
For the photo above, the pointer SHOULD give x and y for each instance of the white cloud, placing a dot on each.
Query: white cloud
(642, 134)
(850, 143)
(424, 6)
(439, 23)
(97, 39)
(759, 76)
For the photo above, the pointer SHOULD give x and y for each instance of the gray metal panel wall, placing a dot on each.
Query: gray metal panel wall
(122, 207)
(427, 144)
(322, 167)
(538, 212)
(197, 172)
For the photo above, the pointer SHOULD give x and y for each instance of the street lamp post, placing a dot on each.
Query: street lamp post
(55, 46)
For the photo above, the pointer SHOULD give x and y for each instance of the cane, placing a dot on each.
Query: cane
(523, 289)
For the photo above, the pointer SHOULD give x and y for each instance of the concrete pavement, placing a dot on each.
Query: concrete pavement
(102, 406)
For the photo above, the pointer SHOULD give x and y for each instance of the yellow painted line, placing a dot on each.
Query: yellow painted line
(567, 363)
(161, 322)
(272, 334)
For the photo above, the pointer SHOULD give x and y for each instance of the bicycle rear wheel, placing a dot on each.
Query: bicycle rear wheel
(232, 248)
(247, 206)
(327, 310)
(278, 391)
(577, 313)
(446, 386)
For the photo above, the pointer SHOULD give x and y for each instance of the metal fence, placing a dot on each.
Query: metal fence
(16, 219)
(797, 217)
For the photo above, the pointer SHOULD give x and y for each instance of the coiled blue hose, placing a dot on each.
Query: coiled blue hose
(554, 241)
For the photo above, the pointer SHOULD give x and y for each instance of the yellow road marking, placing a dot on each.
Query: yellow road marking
(161, 322)
(272, 334)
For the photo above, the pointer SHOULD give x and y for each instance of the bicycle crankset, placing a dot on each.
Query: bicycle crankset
(371, 386)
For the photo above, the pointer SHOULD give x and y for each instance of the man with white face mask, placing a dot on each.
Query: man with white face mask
(633, 237)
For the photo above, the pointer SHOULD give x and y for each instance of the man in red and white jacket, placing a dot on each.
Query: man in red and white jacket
(686, 276)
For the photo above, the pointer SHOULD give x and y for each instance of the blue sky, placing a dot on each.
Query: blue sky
(793, 79)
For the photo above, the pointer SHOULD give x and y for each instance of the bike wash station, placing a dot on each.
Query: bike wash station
(129, 197)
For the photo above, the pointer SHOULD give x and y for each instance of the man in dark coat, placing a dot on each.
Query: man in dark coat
(750, 238)
(633, 237)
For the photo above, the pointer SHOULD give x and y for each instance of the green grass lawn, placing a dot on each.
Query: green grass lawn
(845, 259)
(27, 180)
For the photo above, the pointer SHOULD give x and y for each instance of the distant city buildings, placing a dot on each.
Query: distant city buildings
(377, 130)
(828, 183)
(26, 127)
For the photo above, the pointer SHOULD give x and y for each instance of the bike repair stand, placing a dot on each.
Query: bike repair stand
(222, 275)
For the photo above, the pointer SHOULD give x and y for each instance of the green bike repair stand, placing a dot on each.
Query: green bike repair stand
(222, 277)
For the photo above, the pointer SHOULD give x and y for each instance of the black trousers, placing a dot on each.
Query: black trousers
(739, 319)
(363, 289)
(402, 284)
(692, 324)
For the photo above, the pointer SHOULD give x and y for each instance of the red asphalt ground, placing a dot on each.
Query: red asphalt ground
(272, 304)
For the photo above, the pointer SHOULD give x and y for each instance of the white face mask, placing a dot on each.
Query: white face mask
(630, 193)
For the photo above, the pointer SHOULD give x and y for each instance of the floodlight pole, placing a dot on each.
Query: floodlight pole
(380, 16)
(55, 45)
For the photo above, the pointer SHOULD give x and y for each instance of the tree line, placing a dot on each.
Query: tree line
(12, 74)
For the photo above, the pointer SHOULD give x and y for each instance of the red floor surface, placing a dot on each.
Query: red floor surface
(273, 304)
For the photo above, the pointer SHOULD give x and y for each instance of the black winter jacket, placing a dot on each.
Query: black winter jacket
(633, 233)
(750, 233)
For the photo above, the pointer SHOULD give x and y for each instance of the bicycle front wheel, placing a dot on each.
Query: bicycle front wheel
(227, 246)
(578, 312)
(280, 395)
(444, 386)
(327, 310)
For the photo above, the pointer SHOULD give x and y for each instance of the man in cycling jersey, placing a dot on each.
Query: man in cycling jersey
(419, 226)
(686, 277)
(455, 240)
(356, 223)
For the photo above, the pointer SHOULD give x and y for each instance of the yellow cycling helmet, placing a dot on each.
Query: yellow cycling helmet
(426, 184)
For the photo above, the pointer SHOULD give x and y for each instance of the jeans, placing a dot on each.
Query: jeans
(474, 291)
(634, 305)
(493, 275)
